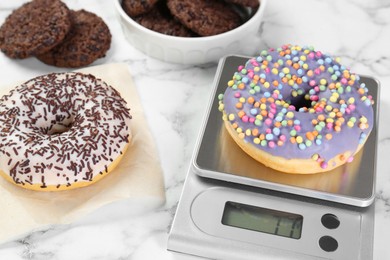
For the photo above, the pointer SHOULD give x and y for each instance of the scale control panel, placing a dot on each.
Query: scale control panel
(280, 223)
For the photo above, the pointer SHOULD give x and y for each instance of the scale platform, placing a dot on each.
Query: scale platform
(244, 210)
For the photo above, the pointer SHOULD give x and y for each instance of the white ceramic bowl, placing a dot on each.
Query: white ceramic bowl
(198, 50)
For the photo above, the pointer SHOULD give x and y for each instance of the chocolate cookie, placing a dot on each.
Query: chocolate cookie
(88, 40)
(137, 7)
(34, 28)
(160, 20)
(247, 3)
(205, 17)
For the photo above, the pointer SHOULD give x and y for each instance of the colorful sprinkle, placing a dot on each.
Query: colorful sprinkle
(324, 165)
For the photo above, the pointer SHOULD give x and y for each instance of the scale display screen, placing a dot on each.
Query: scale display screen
(264, 220)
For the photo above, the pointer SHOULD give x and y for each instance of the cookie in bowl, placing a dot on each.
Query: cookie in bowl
(159, 19)
(196, 49)
(214, 18)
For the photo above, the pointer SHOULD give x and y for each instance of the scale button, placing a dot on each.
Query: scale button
(330, 221)
(328, 243)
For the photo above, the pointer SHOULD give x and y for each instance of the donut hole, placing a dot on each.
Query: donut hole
(301, 102)
(60, 125)
(59, 129)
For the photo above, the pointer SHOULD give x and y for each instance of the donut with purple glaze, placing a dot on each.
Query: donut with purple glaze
(297, 110)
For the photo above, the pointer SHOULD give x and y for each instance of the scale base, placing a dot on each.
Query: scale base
(188, 235)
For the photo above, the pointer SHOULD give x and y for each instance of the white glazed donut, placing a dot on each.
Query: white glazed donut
(62, 131)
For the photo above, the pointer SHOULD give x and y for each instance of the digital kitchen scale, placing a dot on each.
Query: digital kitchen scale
(244, 210)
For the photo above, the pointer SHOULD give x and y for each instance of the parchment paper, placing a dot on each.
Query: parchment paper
(137, 177)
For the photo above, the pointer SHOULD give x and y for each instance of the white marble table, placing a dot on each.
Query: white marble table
(356, 30)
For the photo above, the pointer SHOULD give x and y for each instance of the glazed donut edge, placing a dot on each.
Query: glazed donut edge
(55, 188)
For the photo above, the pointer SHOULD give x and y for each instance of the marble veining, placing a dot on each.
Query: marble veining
(175, 97)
